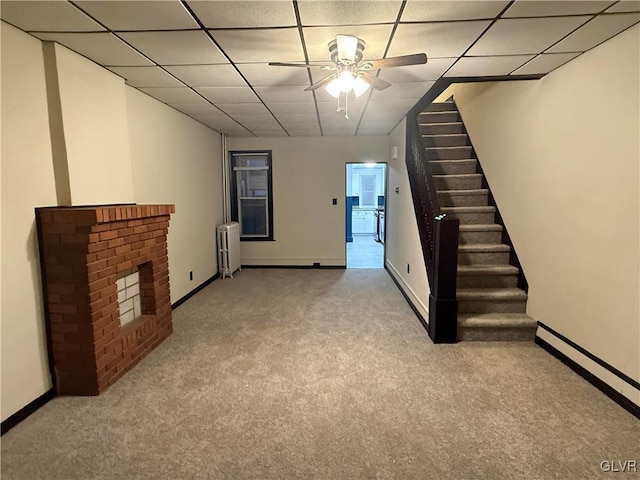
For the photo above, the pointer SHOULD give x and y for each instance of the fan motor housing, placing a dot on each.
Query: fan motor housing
(333, 51)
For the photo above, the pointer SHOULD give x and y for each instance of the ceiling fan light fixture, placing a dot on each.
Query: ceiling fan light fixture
(360, 86)
(333, 88)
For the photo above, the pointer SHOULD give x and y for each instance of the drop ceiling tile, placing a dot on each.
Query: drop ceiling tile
(545, 62)
(218, 117)
(172, 95)
(236, 133)
(402, 91)
(332, 131)
(527, 8)
(284, 95)
(522, 36)
(306, 107)
(256, 120)
(228, 94)
(437, 40)
(330, 105)
(48, 16)
(625, 6)
(314, 12)
(243, 108)
(421, 11)
(193, 108)
(279, 132)
(595, 32)
(336, 120)
(261, 46)
(300, 125)
(383, 106)
(102, 48)
(207, 75)
(375, 37)
(261, 75)
(224, 14)
(386, 118)
(146, 77)
(140, 15)
(432, 70)
(176, 48)
(305, 132)
(290, 118)
(485, 66)
(329, 112)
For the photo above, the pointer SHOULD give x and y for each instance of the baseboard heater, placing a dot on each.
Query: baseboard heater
(228, 249)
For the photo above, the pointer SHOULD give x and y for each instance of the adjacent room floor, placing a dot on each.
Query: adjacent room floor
(324, 374)
(365, 252)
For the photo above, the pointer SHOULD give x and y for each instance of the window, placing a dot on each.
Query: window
(251, 194)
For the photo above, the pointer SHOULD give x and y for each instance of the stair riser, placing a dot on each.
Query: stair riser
(473, 218)
(440, 107)
(483, 258)
(439, 117)
(492, 306)
(459, 183)
(441, 129)
(446, 141)
(453, 153)
(496, 335)
(487, 281)
(453, 168)
(479, 237)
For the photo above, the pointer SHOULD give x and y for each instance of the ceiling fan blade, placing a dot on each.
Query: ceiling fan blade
(320, 83)
(375, 82)
(403, 61)
(347, 47)
(303, 65)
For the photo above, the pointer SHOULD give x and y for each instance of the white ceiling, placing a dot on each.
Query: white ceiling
(209, 59)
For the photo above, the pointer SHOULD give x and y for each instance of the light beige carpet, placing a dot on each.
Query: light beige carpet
(324, 374)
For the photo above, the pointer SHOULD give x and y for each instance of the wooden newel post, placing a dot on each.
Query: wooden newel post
(443, 306)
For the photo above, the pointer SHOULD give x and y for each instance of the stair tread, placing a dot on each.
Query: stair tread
(479, 227)
(487, 270)
(478, 191)
(444, 134)
(439, 124)
(484, 247)
(480, 209)
(496, 320)
(475, 175)
(454, 161)
(449, 148)
(491, 294)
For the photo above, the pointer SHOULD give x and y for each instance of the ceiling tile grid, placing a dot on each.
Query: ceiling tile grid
(210, 59)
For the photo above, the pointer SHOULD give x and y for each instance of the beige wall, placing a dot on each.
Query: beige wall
(403, 239)
(178, 160)
(94, 117)
(562, 157)
(114, 138)
(27, 182)
(307, 174)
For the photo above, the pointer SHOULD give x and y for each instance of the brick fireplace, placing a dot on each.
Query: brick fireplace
(98, 264)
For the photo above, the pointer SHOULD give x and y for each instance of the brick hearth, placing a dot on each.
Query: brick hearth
(84, 250)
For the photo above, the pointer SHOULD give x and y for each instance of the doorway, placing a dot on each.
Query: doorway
(366, 198)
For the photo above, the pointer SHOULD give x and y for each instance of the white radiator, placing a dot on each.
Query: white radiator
(228, 248)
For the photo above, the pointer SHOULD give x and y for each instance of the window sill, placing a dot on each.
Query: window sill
(257, 239)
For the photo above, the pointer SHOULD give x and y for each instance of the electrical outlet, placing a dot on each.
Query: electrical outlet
(334, 201)
(190, 276)
(408, 268)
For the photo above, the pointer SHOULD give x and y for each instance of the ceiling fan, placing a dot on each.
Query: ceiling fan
(350, 71)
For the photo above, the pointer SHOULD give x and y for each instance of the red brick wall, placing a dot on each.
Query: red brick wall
(82, 250)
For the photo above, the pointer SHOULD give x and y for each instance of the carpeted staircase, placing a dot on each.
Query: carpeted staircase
(490, 305)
